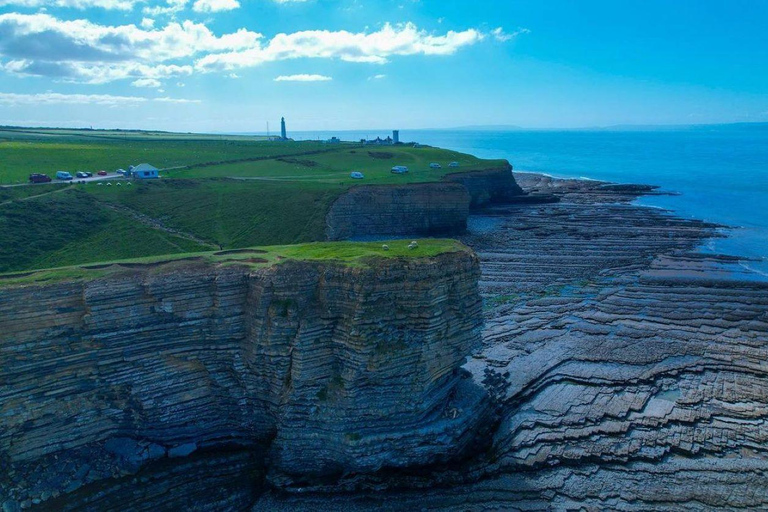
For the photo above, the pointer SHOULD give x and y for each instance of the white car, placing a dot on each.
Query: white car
(453, 164)
(435, 165)
(356, 175)
(399, 169)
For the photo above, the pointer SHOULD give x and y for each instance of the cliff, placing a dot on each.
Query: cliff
(630, 372)
(490, 186)
(208, 376)
(415, 209)
(419, 209)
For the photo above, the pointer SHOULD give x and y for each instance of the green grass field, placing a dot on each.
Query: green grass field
(335, 167)
(23, 153)
(216, 192)
(344, 253)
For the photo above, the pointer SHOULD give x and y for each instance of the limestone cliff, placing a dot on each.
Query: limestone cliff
(117, 389)
(488, 186)
(419, 209)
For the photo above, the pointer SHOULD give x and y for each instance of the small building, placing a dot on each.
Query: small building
(396, 136)
(145, 172)
(333, 140)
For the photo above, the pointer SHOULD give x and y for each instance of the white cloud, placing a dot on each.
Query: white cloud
(175, 100)
(171, 7)
(82, 51)
(53, 98)
(373, 47)
(86, 52)
(500, 35)
(215, 5)
(124, 5)
(146, 82)
(303, 78)
(377, 77)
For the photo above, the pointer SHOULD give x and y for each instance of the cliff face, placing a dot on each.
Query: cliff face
(325, 369)
(489, 186)
(631, 373)
(418, 209)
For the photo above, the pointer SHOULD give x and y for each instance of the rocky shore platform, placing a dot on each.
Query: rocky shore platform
(628, 370)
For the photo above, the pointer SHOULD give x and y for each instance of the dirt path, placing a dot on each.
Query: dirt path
(157, 224)
(60, 189)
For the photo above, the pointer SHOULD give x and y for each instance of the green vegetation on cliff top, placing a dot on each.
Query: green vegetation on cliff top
(345, 253)
(217, 192)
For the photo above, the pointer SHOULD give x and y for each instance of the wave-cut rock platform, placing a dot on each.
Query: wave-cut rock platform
(629, 370)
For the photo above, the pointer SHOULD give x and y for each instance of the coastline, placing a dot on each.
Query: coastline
(625, 365)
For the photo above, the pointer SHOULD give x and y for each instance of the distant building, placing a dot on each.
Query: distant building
(396, 136)
(283, 133)
(145, 172)
(334, 140)
(378, 141)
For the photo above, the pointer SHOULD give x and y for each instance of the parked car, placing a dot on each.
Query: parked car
(63, 175)
(88, 174)
(435, 165)
(356, 175)
(81, 174)
(399, 169)
(453, 164)
(122, 172)
(39, 178)
(102, 173)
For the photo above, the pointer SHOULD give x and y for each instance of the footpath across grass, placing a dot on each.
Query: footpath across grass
(215, 192)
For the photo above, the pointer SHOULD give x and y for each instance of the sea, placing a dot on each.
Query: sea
(719, 172)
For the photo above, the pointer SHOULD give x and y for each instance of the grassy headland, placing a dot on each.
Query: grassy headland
(344, 253)
(216, 192)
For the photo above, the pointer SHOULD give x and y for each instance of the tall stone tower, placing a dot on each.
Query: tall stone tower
(282, 129)
(396, 136)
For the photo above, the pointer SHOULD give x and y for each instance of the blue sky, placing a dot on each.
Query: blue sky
(233, 65)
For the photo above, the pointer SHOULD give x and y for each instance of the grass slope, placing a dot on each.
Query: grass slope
(73, 227)
(334, 167)
(345, 253)
(231, 213)
(227, 192)
(22, 155)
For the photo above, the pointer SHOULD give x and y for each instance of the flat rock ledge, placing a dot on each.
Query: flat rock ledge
(630, 371)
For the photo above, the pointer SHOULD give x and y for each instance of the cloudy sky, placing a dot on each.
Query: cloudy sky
(233, 65)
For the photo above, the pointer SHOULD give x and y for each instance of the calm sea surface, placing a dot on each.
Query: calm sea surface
(720, 172)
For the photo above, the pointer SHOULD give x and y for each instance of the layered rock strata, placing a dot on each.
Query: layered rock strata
(385, 210)
(628, 369)
(420, 209)
(119, 392)
(491, 186)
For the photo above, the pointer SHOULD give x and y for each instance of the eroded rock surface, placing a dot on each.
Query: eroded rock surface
(630, 371)
(181, 386)
(425, 209)
(386, 210)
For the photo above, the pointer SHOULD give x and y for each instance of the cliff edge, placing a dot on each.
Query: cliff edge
(425, 209)
(215, 375)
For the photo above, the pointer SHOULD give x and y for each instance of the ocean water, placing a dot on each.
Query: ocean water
(720, 172)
